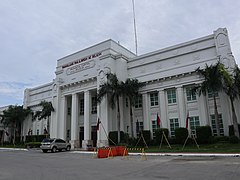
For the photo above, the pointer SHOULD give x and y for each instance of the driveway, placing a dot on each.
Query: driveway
(35, 165)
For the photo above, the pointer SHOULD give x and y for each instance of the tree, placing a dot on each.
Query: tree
(45, 113)
(131, 90)
(113, 89)
(213, 82)
(232, 89)
(13, 118)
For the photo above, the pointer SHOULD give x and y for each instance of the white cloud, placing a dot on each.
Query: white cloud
(34, 34)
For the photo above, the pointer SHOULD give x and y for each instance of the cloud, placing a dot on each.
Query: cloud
(34, 34)
(10, 91)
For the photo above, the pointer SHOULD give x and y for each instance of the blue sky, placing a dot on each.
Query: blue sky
(34, 34)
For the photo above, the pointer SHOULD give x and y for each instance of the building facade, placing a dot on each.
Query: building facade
(169, 75)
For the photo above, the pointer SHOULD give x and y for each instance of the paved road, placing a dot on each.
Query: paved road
(35, 165)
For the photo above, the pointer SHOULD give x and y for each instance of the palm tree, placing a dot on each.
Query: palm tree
(232, 89)
(131, 90)
(113, 89)
(13, 118)
(46, 111)
(213, 82)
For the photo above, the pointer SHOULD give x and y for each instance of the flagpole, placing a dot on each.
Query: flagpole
(135, 27)
(98, 131)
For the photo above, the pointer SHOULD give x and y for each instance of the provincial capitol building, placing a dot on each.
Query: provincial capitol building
(169, 74)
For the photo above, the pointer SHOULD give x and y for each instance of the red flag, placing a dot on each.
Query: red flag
(187, 120)
(98, 123)
(158, 120)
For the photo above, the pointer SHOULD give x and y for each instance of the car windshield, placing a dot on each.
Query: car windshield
(48, 140)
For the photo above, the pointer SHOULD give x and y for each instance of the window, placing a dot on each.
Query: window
(138, 101)
(93, 128)
(214, 127)
(59, 141)
(194, 123)
(81, 129)
(154, 99)
(154, 127)
(126, 102)
(211, 93)
(171, 96)
(140, 128)
(81, 106)
(94, 105)
(68, 133)
(48, 140)
(37, 131)
(191, 95)
(69, 111)
(174, 124)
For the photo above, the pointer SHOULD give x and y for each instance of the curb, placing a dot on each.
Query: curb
(175, 154)
(151, 154)
(14, 149)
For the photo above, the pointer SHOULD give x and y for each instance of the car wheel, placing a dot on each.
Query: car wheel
(68, 148)
(54, 149)
(44, 150)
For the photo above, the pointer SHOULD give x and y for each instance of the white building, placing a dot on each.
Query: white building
(169, 75)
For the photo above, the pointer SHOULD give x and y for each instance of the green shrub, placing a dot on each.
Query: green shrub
(113, 137)
(125, 138)
(231, 131)
(203, 134)
(212, 140)
(233, 139)
(221, 139)
(132, 141)
(33, 145)
(147, 138)
(17, 139)
(159, 134)
(35, 138)
(172, 140)
(181, 135)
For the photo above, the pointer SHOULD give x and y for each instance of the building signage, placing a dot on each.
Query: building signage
(82, 60)
(80, 67)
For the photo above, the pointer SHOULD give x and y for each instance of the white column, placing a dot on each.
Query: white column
(62, 119)
(181, 106)
(146, 122)
(203, 110)
(87, 137)
(102, 113)
(56, 114)
(225, 111)
(74, 122)
(163, 109)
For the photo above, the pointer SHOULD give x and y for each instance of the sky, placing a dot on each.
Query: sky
(34, 34)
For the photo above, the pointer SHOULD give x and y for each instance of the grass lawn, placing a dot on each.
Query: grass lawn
(12, 146)
(207, 148)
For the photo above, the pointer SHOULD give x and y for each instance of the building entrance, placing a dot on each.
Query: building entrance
(94, 135)
(81, 136)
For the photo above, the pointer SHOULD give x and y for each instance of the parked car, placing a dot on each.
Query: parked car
(54, 144)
